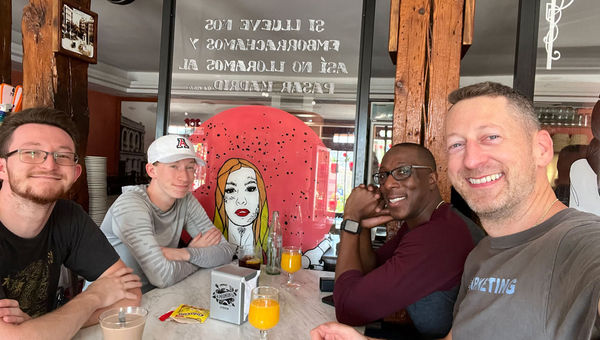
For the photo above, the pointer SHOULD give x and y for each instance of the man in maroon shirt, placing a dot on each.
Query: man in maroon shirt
(420, 268)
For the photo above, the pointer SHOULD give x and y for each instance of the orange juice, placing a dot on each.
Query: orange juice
(291, 261)
(264, 313)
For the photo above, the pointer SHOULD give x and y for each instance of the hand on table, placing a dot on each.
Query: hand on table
(208, 238)
(114, 287)
(335, 331)
(11, 313)
(366, 206)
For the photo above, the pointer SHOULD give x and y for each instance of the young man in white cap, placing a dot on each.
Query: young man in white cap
(145, 223)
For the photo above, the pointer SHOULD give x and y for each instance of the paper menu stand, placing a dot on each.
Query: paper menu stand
(7, 93)
(11, 98)
(230, 290)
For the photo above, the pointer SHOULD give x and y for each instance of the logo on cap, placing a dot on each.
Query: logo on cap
(182, 144)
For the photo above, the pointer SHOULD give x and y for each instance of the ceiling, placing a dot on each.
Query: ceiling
(129, 45)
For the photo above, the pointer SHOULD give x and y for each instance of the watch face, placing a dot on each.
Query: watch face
(351, 226)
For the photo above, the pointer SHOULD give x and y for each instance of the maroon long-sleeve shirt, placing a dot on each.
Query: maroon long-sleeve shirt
(410, 266)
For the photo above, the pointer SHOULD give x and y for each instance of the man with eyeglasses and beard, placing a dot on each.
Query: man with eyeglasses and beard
(39, 232)
(420, 268)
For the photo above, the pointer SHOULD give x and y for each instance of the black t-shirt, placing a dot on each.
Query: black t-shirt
(30, 268)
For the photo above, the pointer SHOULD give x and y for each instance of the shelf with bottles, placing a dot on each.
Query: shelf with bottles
(564, 116)
(566, 124)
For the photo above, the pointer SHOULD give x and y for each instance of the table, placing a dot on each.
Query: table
(301, 310)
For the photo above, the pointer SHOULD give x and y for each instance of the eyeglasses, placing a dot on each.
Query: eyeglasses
(38, 156)
(399, 174)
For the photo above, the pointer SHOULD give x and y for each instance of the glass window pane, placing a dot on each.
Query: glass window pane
(566, 91)
(269, 86)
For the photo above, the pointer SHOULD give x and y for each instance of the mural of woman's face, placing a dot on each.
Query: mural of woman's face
(241, 197)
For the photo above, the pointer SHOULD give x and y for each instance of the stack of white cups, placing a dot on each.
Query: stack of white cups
(96, 178)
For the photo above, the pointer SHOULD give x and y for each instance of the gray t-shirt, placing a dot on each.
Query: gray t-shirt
(137, 229)
(542, 283)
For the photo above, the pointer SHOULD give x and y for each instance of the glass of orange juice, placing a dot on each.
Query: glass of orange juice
(291, 261)
(264, 309)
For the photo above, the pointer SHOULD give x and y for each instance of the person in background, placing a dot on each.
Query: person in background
(566, 157)
(420, 268)
(145, 223)
(585, 173)
(39, 232)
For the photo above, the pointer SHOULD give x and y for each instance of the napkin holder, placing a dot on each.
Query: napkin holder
(230, 290)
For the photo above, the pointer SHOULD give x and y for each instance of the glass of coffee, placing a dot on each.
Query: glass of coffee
(124, 323)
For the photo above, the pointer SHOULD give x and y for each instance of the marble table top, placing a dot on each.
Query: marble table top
(301, 310)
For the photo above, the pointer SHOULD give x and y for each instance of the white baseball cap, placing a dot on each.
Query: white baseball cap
(172, 148)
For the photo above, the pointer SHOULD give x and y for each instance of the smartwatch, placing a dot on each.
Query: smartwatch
(350, 226)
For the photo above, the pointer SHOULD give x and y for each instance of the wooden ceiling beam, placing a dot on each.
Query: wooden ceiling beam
(468, 26)
(393, 34)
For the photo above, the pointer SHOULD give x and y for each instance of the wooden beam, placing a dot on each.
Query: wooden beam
(409, 92)
(38, 59)
(443, 78)
(430, 39)
(51, 79)
(468, 26)
(393, 35)
(5, 39)
(71, 94)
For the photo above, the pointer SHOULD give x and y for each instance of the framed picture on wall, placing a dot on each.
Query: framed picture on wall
(77, 32)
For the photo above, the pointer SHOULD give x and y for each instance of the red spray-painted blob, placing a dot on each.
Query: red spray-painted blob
(292, 160)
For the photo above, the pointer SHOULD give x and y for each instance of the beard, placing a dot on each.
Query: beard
(519, 185)
(39, 196)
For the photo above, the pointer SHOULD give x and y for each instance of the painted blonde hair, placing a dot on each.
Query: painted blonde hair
(260, 226)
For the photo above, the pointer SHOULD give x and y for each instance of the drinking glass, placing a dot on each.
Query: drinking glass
(291, 261)
(249, 256)
(264, 309)
(123, 323)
